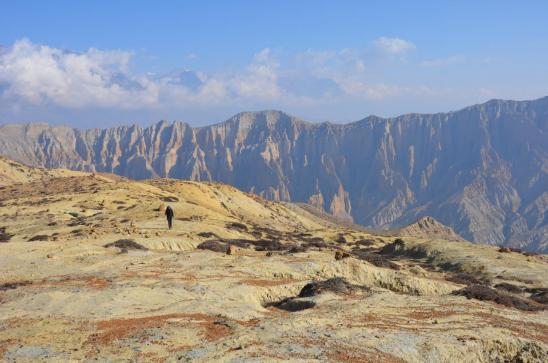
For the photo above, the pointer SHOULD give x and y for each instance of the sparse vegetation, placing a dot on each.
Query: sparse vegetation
(258, 245)
(539, 295)
(5, 236)
(341, 239)
(318, 243)
(39, 237)
(509, 287)
(268, 245)
(293, 304)
(365, 243)
(376, 259)
(339, 255)
(465, 278)
(399, 247)
(336, 285)
(169, 199)
(237, 226)
(297, 249)
(207, 234)
(126, 244)
(13, 285)
(215, 246)
(485, 293)
(516, 250)
(77, 221)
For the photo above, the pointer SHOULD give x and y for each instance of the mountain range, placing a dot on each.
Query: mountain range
(482, 170)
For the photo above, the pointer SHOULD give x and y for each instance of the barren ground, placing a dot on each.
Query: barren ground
(163, 295)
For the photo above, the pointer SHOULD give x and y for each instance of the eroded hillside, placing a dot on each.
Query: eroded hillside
(481, 170)
(88, 270)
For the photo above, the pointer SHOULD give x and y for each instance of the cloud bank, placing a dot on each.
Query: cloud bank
(39, 74)
(43, 83)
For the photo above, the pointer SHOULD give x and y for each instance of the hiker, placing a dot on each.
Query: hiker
(169, 216)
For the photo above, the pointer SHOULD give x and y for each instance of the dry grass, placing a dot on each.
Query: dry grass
(485, 293)
(5, 236)
(126, 244)
(335, 285)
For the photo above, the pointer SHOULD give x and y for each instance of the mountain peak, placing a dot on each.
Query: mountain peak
(482, 170)
(267, 118)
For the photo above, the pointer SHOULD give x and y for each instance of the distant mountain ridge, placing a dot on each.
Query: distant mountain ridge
(481, 170)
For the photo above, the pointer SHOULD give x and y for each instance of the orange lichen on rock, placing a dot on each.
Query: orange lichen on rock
(72, 281)
(529, 330)
(115, 329)
(4, 345)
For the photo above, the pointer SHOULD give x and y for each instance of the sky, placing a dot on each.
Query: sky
(105, 63)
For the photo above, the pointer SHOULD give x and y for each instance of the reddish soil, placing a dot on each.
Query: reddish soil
(430, 314)
(115, 329)
(529, 330)
(74, 281)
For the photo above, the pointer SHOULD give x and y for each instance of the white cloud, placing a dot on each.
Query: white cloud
(260, 79)
(439, 62)
(347, 68)
(40, 74)
(394, 45)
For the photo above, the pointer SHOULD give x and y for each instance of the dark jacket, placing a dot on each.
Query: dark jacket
(169, 212)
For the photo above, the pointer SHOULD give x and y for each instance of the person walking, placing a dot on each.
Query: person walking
(169, 216)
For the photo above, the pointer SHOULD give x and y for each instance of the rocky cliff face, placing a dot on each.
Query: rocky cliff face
(482, 170)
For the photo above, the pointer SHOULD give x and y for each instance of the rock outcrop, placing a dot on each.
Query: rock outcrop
(482, 170)
(428, 227)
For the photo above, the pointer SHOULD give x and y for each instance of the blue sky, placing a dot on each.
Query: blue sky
(99, 63)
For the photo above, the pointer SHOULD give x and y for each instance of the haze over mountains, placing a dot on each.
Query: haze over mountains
(481, 170)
